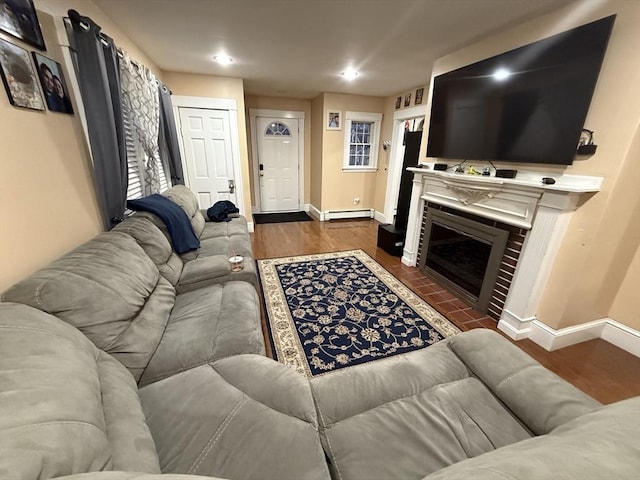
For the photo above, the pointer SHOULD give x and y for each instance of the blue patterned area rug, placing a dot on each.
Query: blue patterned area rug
(331, 311)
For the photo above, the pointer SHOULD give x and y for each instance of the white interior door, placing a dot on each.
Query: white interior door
(278, 163)
(208, 158)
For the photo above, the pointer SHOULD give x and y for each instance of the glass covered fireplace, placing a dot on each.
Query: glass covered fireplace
(463, 254)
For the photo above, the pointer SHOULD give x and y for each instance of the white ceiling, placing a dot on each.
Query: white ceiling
(298, 48)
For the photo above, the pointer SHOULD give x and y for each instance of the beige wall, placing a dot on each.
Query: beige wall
(591, 264)
(340, 188)
(626, 304)
(211, 86)
(47, 200)
(317, 130)
(290, 104)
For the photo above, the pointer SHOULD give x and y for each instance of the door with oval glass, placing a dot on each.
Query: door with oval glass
(278, 163)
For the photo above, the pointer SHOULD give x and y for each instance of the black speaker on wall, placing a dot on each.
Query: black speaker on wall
(411, 153)
(391, 236)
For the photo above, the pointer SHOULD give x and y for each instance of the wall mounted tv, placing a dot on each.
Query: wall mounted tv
(526, 105)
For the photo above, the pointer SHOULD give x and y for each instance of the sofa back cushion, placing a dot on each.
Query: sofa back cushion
(155, 245)
(110, 290)
(189, 203)
(66, 406)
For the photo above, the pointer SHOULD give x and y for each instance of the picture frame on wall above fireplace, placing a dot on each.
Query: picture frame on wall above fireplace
(18, 18)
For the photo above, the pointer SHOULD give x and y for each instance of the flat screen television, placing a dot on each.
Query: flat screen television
(526, 105)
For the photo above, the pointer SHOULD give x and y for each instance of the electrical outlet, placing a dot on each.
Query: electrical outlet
(356, 200)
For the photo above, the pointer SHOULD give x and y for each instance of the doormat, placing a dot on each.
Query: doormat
(331, 311)
(281, 217)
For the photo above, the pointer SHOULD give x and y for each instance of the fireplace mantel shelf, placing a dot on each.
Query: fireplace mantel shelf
(527, 179)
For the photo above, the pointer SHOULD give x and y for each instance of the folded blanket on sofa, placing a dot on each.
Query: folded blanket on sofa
(183, 239)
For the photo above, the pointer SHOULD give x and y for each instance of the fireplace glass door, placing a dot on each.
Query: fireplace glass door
(463, 254)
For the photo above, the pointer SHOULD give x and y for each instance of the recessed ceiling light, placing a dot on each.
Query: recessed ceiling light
(223, 59)
(349, 74)
(501, 74)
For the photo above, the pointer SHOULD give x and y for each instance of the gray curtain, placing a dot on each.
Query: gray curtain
(98, 76)
(168, 139)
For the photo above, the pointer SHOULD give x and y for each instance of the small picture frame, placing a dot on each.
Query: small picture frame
(419, 94)
(19, 77)
(54, 86)
(407, 100)
(18, 18)
(398, 102)
(334, 120)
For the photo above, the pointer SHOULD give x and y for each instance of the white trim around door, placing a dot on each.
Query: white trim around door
(395, 159)
(254, 113)
(231, 106)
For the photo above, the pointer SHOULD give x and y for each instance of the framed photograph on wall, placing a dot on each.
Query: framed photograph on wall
(334, 120)
(19, 77)
(398, 102)
(53, 84)
(419, 93)
(407, 100)
(18, 18)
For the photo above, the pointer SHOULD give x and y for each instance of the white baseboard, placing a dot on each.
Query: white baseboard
(250, 227)
(379, 216)
(550, 339)
(306, 207)
(316, 212)
(622, 336)
(342, 214)
(515, 327)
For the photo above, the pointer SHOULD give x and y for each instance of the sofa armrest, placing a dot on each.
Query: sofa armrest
(203, 211)
(133, 476)
(538, 397)
(604, 444)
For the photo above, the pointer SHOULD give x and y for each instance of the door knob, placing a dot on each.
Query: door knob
(232, 186)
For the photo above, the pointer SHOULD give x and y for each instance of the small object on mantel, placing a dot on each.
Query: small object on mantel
(486, 171)
(459, 169)
(472, 171)
(548, 180)
(423, 165)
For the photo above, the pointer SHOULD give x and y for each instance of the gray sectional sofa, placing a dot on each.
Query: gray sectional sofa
(121, 360)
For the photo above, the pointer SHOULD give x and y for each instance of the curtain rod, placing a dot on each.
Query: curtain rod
(104, 39)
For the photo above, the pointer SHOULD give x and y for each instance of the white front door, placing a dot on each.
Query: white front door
(208, 158)
(277, 140)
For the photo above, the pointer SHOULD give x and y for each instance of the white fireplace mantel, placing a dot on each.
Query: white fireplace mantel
(543, 210)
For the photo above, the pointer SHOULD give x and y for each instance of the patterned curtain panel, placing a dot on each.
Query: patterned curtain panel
(142, 107)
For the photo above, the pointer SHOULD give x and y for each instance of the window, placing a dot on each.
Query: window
(277, 128)
(362, 136)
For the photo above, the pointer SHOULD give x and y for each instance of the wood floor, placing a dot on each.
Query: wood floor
(604, 371)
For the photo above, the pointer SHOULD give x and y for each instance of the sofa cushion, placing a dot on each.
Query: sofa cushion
(235, 226)
(110, 290)
(66, 406)
(155, 245)
(245, 417)
(207, 324)
(539, 398)
(408, 415)
(603, 444)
